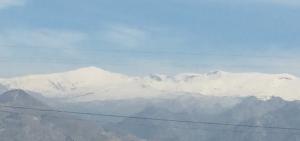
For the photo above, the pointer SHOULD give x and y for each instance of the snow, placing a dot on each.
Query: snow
(88, 84)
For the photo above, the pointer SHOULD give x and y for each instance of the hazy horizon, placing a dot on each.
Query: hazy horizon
(32, 73)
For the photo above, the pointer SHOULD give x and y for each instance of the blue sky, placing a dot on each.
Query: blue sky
(149, 36)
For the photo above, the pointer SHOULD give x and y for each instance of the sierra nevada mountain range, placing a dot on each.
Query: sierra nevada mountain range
(91, 83)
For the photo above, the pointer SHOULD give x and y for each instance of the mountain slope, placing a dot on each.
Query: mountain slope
(88, 84)
(274, 112)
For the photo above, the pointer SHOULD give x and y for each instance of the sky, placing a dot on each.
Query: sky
(140, 37)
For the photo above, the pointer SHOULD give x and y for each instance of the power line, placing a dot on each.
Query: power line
(214, 129)
(172, 126)
(152, 119)
(136, 124)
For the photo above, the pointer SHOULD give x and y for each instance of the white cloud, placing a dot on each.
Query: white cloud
(286, 2)
(133, 37)
(41, 38)
(124, 36)
(293, 3)
(9, 3)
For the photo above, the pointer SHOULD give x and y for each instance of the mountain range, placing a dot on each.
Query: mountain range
(235, 98)
(91, 83)
(256, 99)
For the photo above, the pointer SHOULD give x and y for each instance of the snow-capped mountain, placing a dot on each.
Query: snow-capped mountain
(83, 84)
(92, 83)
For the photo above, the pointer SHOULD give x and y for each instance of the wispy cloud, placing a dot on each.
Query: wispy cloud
(286, 2)
(10, 3)
(41, 38)
(124, 36)
(134, 36)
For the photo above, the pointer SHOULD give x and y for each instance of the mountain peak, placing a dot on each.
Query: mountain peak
(90, 69)
(91, 73)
